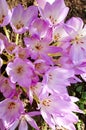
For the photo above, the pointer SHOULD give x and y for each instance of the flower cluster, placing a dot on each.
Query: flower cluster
(42, 67)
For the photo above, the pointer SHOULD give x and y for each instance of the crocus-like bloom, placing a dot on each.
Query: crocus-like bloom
(24, 120)
(56, 79)
(20, 71)
(66, 121)
(21, 19)
(41, 66)
(41, 28)
(7, 87)
(9, 47)
(59, 34)
(55, 12)
(68, 118)
(21, 52)
(10, 110)
(65, 62)
(5, 13)
(55, 107)
(77, 33)
(40, 48)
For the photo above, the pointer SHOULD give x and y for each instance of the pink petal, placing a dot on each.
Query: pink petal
(31, 122)
(23, 125)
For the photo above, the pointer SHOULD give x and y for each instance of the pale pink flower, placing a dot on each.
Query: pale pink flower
(10, 110)
(41, 66)
(22, 18)
(57, 79)
(7, 87)
(42, 30)
(24, 120)
(77, 32)
(55, 13)
(20, 71)
(56, 107)
(21, 52)
(40, 48)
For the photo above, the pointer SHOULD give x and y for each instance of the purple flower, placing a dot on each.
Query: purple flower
(55, 107)
(59, 34)
(5, 13)
(21, 52)
(77, 33)
(43, 30)
(24, 120)
(66, 121)
(74, 26)
(21, 18)
(7, 87)
(56, 79)
(68, 118)
(55, 13)
(9, 47)
(77, 54)
(10, 110)
(20, 71)
(36, 90)
(41, 66)
(40, 48)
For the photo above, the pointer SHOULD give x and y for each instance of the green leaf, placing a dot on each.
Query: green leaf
(79, 89)
(81, 106)
(83, 95)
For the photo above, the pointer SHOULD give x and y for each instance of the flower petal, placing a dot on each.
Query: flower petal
(31, 122)
(23, 125)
